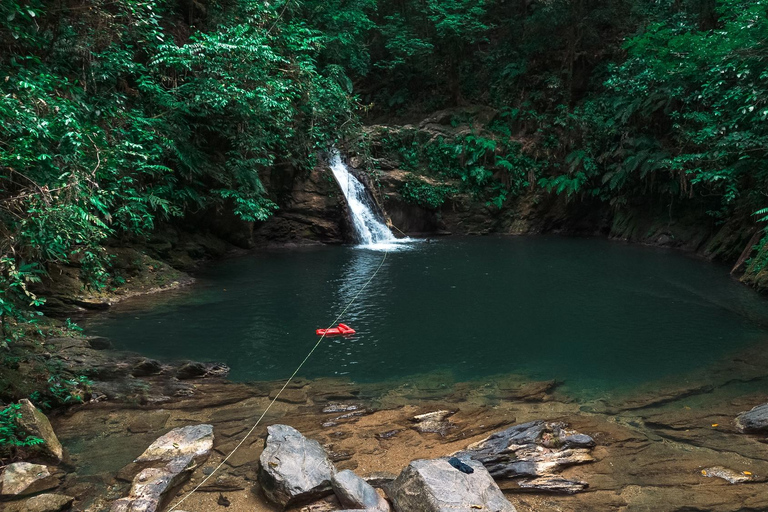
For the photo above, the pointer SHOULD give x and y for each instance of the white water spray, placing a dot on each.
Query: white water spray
(369, 226)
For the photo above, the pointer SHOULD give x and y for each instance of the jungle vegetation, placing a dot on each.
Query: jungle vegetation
(117, 115)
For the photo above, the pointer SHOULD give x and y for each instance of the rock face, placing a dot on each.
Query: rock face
(355, 493)
(293, 469)
(169, 460)
(195, 370)
(535, 449)
(436, 486)
(98, 343)
(34, 423)
(755, 420)
(312, 207)
(42, 503)
(23, 478)
(145, 367)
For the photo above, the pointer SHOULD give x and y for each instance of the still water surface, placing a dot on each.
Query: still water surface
(596, 314)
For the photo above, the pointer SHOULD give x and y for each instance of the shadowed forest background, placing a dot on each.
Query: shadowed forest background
(118, 115)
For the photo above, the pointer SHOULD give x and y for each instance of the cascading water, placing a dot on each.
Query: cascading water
(369, 226)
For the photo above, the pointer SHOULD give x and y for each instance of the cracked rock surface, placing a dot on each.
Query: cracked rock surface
(536, 449)
(167, 463)
(293, 469)
(436, 486)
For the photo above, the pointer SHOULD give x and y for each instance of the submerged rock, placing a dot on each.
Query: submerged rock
(513, 388)
(436, 486)
(729, 475)
(338, 456)
(293, 469)
(336, 408)
(532, 449)
(170, 460)
(434, 422)
(754, 420)
(355, 493)
(349, 417)
(42, 503)
(34, 423)
(149, 421)
(388, 434)
(23, 478)
(290, 395)
(554, 484)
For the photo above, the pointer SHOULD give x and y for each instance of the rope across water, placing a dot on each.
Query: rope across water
(293, 375)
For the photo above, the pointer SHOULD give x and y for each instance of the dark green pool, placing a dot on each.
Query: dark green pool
(599, 315)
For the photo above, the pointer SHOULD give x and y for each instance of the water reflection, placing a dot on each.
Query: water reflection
(355, 274)
(364, 311)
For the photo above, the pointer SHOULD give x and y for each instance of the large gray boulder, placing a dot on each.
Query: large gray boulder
(754, 420)
(34, 423)
(23, 478)
(436, 486)
(293, 469)
(167, 463)
(190, 443)
(355, 493)
(533, 449)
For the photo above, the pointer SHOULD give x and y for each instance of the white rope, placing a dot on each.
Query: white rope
(190, 493)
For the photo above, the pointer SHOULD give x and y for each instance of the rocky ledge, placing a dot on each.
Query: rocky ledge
(370, 445)
(535, 450)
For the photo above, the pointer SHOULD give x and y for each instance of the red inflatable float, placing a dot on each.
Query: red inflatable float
(341, 329)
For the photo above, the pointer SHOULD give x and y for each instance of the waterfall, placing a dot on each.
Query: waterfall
(369, 226)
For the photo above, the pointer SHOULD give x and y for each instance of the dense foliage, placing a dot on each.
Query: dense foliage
(683, 115)
(11, 435)
(490, 166)
(117, 114)
(623, 102)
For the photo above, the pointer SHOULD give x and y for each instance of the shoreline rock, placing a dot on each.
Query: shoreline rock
(24, 478)
(436, 486)
(553, 484)
(167, 462)
(355, 493)
(755, 420)
(536, 449)
(49, 502)
(35, 423)
(292, 468)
